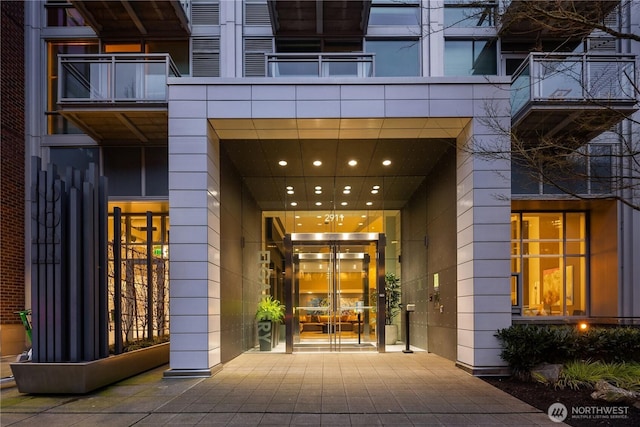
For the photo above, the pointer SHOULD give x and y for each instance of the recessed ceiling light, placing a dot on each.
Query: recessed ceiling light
(317, 163)
(299, 225)
(290, 191)
(282, 163)
(376, 187)
(318, 191)
(386, 162)
(294, 203)
(363, 216)
(344, 203)
(317, 187)
(347, 187)
(319, 224)
(374, 191)
(339, 223)
(346, 191)
(318, 203)
(369, 204)
(289, 187)
(297, 216)
(360, 223)
(353, 162)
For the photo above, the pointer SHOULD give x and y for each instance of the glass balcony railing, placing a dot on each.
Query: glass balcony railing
(114, 78)
(545, 77)
(320, 65)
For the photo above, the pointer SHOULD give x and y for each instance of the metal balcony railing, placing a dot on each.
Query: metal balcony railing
(139, 78)
(570, 78)
(320, 65)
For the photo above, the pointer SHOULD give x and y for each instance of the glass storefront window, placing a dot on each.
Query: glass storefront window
(470, 58)
(549, 257)
(395, 58)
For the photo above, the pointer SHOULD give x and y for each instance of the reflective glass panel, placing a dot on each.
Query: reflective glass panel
(395, 57)
(470, 57)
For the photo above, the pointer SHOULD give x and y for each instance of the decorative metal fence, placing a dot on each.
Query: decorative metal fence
(77, 309)
(142, 313)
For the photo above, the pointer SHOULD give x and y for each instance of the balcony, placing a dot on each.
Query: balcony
(575, 97)
(319, 17)
(126, 19)
(116, 98)
(524, 20)
(320, 65)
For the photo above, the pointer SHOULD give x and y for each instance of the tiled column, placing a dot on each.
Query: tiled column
(483, 236)
(194, 247)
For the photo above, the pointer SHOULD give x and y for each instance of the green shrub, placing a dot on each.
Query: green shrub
(613, 344)
(525, 346)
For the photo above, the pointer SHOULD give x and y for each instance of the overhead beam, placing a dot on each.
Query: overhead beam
(82, 125)
(181, 14)
(319, 16)
(134, 17)
(87, 16)
(132, 127)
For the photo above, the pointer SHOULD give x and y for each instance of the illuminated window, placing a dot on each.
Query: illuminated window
(56, 124)
(548, 255)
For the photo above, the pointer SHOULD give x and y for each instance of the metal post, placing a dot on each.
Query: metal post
(117, 278)
(409, 309)
(149, 275)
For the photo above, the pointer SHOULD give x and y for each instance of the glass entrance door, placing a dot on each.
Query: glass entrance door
(333, 285)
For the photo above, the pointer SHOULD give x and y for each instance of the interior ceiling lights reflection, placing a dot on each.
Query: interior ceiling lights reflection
(386, 162)
(344, 203)
(318, 203)
(294, 203)
(369, 203)
(353, 162)
(282, 163)
(317, 163)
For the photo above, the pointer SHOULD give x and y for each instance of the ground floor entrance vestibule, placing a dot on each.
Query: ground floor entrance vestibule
(334, 291)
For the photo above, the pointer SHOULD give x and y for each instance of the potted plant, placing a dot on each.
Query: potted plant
(392, 307)
(270, 313)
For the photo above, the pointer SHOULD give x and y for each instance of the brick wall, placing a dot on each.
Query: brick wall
(12, 167)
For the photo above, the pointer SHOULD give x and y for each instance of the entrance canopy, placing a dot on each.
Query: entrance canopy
(365, 163)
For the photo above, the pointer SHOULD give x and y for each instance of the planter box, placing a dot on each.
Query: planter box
(84, 377)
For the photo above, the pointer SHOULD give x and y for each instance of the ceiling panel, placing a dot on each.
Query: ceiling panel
(412, 159)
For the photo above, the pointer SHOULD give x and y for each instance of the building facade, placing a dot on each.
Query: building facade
(306, 149)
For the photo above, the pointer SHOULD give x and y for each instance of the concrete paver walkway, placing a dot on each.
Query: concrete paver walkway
(304, 389)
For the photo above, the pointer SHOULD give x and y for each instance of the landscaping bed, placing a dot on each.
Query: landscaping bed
(541, 396)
